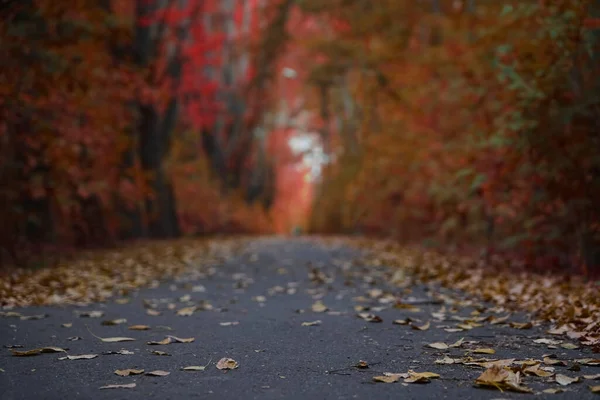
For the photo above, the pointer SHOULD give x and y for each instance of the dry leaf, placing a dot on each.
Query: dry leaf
(153, 313)
(166, 340)
(139, 328)
(420, 377)
(113, 322)
(181, 340)
(589, 361)
(229, 323)
(127, 372)
(537, 371)
(458, 343)
(521, 325)
(553, 361)
(67, 325)
(438, 346)
(187, 311)
(159, 353)
(79, 357)
(369, 317)
(547, 341)
(569, 346)
(90, 314)
(35, 352)
(445, 360)
(565, 380)
(592, 377)
(484, 351)
(124, 386)
(422, 327)
(553, 391)
(116, 339)
(389, 377)
(361, 364)
(312, 323)
(501, 378)
(401, 321)
(595, 389)
(194, 368)
(157, 373)
(121, 352)
(227, 363)
(319, 307)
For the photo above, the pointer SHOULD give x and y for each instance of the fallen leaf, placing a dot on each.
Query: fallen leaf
(389, 377)
(422, 327)
(229, 323)
(74, 338)
(547, 341)
(438, 346)
(361, 364)
(166, 340)
(401, 321)
(124, 386)
(458, 343)
(187, 311)
(565, 380)
(537, 371)
(501, 378)
(227, 363)
(139, 328)
(312, 323)
(153, 313)
(79, 357)
(67, 325)
(194, 368)
(521, 325)
(369, 317)
(35, 352)
(181, 340)
(116, 339)
(592, 377)
(589, 361)
(319, 307)
(90, 314)
(595, 389)
(484, 351)
(569, 346)
(553, 361)
(553, 391)
(159, 353)
(113, 322)
(157, 373)
(127, 372)
(420, 377)
(123, 300)
(445, 360)
(121, 352)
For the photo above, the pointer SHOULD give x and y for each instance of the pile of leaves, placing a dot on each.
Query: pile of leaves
(98, 275)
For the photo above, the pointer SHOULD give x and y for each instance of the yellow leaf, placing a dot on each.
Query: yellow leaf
(127, 372)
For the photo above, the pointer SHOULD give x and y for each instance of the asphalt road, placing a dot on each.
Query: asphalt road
(278, 357)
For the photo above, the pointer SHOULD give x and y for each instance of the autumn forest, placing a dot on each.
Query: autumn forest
(463, 124)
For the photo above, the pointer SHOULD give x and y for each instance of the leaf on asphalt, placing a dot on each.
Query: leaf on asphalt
(521, 325)
(120, 352)
(166, 340)
(181, 340)
(312, 323)
(389, 377)
(90, 314)
(129, 371)
(194, 368)
(159, 353)
(438, 346)
(498, 320)
(453, 330)
(158, 373)
(501, 378)
(231, 323)
(569, 346)
(259, 299)
(405, 321)
(558, 330)
(537, 371)
(484, 350)
(123, 300)
(113, 322)
(185, 298)
(67, 325)
(152, 312)
(592, 377)
(554, 361)
(35, 352)
(369, 317)
(551, 342)
(79, 357)
(116, 339)
(361, 364)
(139, 328)
(319, 307)
(553, 391)
(422, 327)
(187, 311)
(565, 380)
(74, 338)
(227, 363)
(595, 389)
(446, 360)
(117, 386)
(588, 361)
(420, 377)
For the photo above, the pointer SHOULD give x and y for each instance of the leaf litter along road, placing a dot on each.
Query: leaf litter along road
(281, 318)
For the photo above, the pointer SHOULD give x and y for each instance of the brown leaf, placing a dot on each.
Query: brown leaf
(553, 361)
(595, 389)
(501, 378)
(369, 317)
(79, 357)
(361, 364)
(139, 328)
(113, 322)
(124, 386)
(227, 363)
(166, 340)
(312, 323)
(422, 327)
(127, 372)
(420, 377)
(537, 371)
(389, 377)
(187, 311)
(35, 352)
(158, 373)
(482, 350)
(521, 325)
